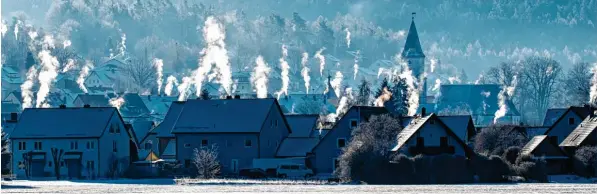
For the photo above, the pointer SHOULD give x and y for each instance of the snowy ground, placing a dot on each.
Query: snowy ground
(170, 186)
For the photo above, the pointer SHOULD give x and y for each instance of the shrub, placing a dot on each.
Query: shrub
(490, 169)
(404, 169)
(585, 161)
(206, 162)
(495, 139)
(530, 169)
(511, 154)
(449, 169)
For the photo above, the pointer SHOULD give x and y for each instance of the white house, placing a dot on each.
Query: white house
(95, 142)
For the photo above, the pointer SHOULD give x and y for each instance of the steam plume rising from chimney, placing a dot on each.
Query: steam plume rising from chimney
(321, 60)
(214, 53)
(284, 73)
(337, 82)
(171, 82)
(305, 71)
(347, 37)
(48, 73)
(356, 65)
(16, 30)
(122, 46)
(26, 87)
(259, 77)
(117, 102)
(3, 29)
(593, 89)
(504, 94)
(159, 67)
(413, 92)
(383, 98)
(70, 64)
(83, 75)
(183, 88)
(343, 105)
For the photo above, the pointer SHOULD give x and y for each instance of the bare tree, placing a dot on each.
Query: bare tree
(141, 73)
(206, 162)
(503, 74)
(577, 83)
(57, 157)
(539, 82)
(27, 163)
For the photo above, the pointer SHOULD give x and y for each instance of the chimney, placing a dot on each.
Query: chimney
(14, 116)
(128, 126)
(423, 112)
(86, 106)
(149, 97)
(62, 106)
(228, 97)
(237, 96)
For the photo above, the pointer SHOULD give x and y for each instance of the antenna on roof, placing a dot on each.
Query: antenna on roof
(413, 15)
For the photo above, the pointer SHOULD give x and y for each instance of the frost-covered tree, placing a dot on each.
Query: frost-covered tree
(577, 83)
(206, 161)
(399, 99)
(539, 81)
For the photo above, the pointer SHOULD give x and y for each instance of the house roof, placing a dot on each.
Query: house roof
(158, 105)
(580, 133)
(164, 129)
(580, 111)
(296, 146)
(552, 115)
(10, 108)
(133, 105)
(302, 125)
(290, 100)
(225, 116)
(170, 149)
(17, 94)
(530, 147)
(95, 100)
(412, 46)
(482, 99)
(459, 124)
(63, 122)
(141, 129)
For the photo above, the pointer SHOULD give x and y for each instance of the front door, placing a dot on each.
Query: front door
(74, 168)
(234, 166)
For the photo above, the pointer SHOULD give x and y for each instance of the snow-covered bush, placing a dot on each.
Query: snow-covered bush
(495, 139)
(511, 154)
(585, 161)
(530, 169)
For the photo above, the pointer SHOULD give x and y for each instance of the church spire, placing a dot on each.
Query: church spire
(412, 47)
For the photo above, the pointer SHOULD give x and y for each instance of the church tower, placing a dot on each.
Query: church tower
(414, 56)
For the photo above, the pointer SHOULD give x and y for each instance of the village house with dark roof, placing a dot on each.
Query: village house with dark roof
(583, 135)
(304, 137)
(566, 123)
(95, 141)
(540, 147)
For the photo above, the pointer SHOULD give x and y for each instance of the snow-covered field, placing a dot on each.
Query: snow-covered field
(171, 186)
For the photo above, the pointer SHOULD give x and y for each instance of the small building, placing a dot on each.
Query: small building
(14, 97)
(429, 135)
(95, 142)
(160, 138)
(304, 137)
(566, 123)
(584, 135)
(541, 147)
(240, 129)
(11, 79)
(325, 153)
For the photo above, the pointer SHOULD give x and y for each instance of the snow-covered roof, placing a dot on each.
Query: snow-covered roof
(158, 105)
(133, 106)
(531, 145)
(580, 133)
(63, 122)
(224, 116)
(95, 100)
(296, 146)
(414, 125)
(164, 129)
(302, 125)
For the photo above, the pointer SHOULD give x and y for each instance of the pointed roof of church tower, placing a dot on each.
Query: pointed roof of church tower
(412, 47)
(330, 93)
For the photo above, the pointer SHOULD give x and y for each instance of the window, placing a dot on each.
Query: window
(111, 128)
(37, 145)
(114, 146)
(420, 142)
(353, 123)
(117, 128)
(74, 145)
(22, 145)
(187, 163)
(570, 121)
(88, 145)
(204, 142)
(443, 141)
(61, 163)
(248, 143)
(50, 164)
(336, 164)
(92, 145)
(294, 167)
(285, 167)
(341, 142)
(276, 123)
(148, 146)
(187, 145)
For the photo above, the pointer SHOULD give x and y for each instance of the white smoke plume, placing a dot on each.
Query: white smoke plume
(66, 43)
(3, 29)
(356, 65)
(183, 88)
(122, 46)
(343, 105)
(593, 89)
(284, 73)
(83, 75)
(505, 93)
(70, 64)
(305, 71)
(32, 34)
(49, 71)
(347, 37)
(337, 82)
(432, 64)
(259, 77)
(413, 92)
(383, 98)
(321, 60)
(454, 79)
(159, 68)
(117, 102)
(171, 82)
(438, 83)
(478, 81)
(214, 53)
(16, 30)
(26, 87)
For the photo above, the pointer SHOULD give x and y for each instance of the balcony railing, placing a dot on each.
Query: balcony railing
(431, 150)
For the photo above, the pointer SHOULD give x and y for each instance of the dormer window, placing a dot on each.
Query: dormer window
(570, 121)
(354, 123)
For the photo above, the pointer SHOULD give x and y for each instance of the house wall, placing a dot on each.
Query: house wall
(272, 133)
(562, 128)
(47, 145)
(229, 145)
(93, 80)
(107, 154)
(151, 138)
(11, 98)
(327, 150)
(431, 134)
